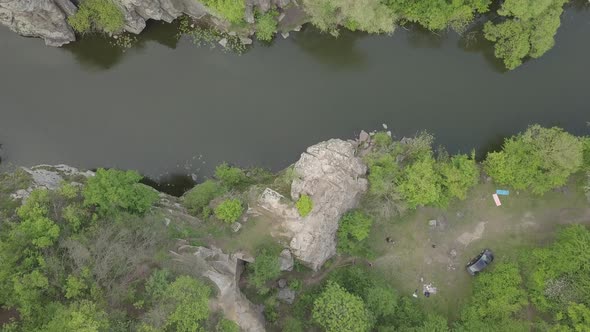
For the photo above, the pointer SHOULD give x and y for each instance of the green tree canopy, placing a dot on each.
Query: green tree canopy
(337, 310)
(191, 300)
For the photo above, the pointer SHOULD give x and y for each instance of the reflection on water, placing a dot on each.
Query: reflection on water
(340, 52)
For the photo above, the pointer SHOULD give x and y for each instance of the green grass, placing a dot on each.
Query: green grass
(101, 15)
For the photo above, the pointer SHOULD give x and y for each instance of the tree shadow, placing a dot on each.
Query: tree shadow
(473, 41)
(174, 184)
(98, 52)
(339, 52)
(420, 37)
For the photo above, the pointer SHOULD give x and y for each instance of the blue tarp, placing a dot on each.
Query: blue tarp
(502, 192)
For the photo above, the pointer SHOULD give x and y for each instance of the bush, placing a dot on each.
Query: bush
(354, 228)
(304, 205)
(292, 325)
(112, 191)
(266, 25)
(539, 159)
(198, 198)
(459, 174)
(231, 10)
(102, 15)
(266, 267)
(226, 325)
(230, 176)
(229, 210)
(337, 310)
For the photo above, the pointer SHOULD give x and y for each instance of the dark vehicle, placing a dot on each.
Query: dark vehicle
(480, 262)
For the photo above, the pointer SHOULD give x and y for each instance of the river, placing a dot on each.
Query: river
(168, 107)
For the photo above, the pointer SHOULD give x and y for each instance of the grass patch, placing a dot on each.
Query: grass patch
(101, 15)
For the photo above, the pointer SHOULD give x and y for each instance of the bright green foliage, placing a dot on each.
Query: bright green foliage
(157, 284)
(337, 310)
(439, 14)
(76, 286)
(29, 292)
(191, 299)
(365, 15)
(575, 319)
(266, 25)
(226, 325)
(528, 30)
(266, 267)
(231, 10)
(198, 198)
(539, 159)
(34, 226)
(229, 210)
(101, 15)
(83, 316)
(230, 176)
(381, 139)
(68, 190)
(586, 149)
(112, 191)
(459, 175)
(75, 215)
(561, 273)
(497, 296)
(304, 205)
(420, 184)
(354, 228)
(271, 309)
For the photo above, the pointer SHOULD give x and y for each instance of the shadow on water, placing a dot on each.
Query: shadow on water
(340, 52)
(95, 51)
(419, 37)
(173, 184)
(473, 41)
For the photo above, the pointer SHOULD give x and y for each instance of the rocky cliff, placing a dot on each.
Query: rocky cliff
(47, 19)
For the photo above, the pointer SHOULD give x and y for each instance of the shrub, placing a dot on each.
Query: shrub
(266, 25)
(157, 284)
(353, 229)
(102, 15)
(198, 198)
(292, 325)
(230, 176)
(271, 309)
(304, 205)
(295, 284)
(539, 159)
(226, 325)
(229, 210)
(266, 267)
(112, 190)
(231, 10)
(459, 174)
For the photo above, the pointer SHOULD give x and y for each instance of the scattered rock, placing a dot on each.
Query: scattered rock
(286, 260)
(223, 42)
(285, 35)
(249, 15)
(384, 126)
(286, 295)
(364, 137)
(282, 283)
(167, 221)
(432, 223)
(297, 28)
(389, 133)
(235, 227)
(460, 214)
(281, 17)
(246, 41)
(453, 253)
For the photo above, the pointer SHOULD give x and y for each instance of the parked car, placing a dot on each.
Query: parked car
(480, 262)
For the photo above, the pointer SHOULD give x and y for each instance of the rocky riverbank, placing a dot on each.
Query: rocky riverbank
(48, 19)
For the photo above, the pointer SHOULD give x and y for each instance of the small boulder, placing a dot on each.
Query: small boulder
(235, 227)
(286, 295)
(223, 42)
(286, 260)
(282, 283)
(363, 136)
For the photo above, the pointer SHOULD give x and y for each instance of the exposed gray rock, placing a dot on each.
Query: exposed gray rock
(364, 136)
(332, 175)
(223, 42)
(236, 226)
(249, 14)
(39, 18)
(281, 3)
(286, 295)
(282, 283)
(286, 260)
(48, 177)
(224, 271)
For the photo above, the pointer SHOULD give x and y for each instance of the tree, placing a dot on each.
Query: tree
(528, 30)
(265, 267)
(539, 159)
(191, 300)
(364, 15)
(459, 174)
(198, 198)
(337, 310)
(229, 210)
(354, 228)
(112, 191)
(230, 176)
(83, 316)
(421, 184)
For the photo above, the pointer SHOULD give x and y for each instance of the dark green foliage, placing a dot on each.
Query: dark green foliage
(198, 198)
(304, 205)
(353, 230)
(157, 284)
(100, 15)
(230, 176)
(337, 310)
(266, 25)
(539, 159)
(271, 309)
(527, 31)
(113, 191)
(292, 325)
(229, 210)
(265, 268)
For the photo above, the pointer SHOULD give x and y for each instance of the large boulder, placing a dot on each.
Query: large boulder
(333, 176)
(224, 271)
(39, 18)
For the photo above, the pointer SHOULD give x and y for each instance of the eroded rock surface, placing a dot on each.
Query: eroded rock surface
(224, 271)
(333, 176)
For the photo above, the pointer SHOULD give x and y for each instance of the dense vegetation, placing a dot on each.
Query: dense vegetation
(97, 15)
